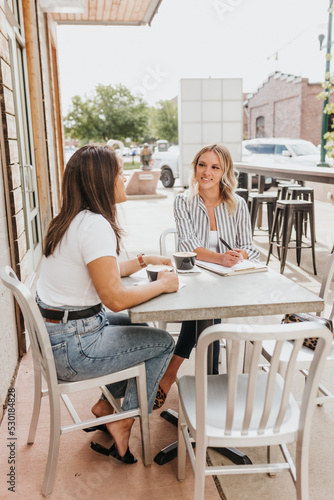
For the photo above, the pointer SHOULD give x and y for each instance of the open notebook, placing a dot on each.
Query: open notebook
(244, 267)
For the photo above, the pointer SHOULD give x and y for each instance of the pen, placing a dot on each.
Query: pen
(226, 244)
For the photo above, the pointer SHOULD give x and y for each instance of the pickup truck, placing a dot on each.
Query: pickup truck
(168, 163)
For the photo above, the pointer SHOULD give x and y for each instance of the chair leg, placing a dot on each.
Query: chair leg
(37, 405)
(181, 448)
(253, 213)
(272, 457)
(54, 441)
(312, 229)
(200, 465)
(275, 228)
(270, 216)
(299, 230)
(302, 465)
(144, 419)
(287, 228)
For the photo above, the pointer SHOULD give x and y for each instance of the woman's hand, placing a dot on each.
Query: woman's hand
(170, 281)
(231, 257)
(242, 252)
(155, 260)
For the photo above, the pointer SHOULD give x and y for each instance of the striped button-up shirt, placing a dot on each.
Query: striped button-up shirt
(193, 225)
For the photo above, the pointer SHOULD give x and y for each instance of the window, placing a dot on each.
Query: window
(279, 148)
(266, 149)
(260, 126)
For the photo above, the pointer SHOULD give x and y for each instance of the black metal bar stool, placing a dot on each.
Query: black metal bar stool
(255, 200)
(282, 189)
(243, 193)
(287, 214)
(301, 193)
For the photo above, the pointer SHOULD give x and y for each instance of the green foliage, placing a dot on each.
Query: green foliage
(328, 89)
(163, 121)
(110, 113)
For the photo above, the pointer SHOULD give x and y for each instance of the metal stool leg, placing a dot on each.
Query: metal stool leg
(299, 219)
(275, 229)
(287, 228)
(253, 212)
(312, 229)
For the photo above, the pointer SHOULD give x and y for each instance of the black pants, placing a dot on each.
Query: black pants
(187, 340)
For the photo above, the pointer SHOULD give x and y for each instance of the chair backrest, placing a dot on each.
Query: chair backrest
(162, 240)
(40, 343)
(260, 410)
(326, 282)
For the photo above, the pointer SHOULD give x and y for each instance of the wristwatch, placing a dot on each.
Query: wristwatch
(141, 260)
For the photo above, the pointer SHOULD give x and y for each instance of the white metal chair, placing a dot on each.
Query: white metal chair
(44, 367)
(163, 240)
(305, 355)
(249, 409)
(163, 251)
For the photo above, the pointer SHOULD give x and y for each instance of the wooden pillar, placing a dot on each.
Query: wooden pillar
(37, 112)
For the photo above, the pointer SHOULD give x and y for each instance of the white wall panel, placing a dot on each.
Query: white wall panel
(210, 110)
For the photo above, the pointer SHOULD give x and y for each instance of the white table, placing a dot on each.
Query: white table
(208, 296)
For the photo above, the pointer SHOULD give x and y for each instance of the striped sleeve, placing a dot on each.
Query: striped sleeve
(244, 231)
(189, 238)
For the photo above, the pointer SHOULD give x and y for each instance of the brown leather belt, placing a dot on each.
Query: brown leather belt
(53, 314)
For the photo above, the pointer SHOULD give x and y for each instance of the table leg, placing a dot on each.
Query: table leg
(168, 453)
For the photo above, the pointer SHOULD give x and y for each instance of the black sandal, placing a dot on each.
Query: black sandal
(100, 427)
(127, 458)
(160, 398)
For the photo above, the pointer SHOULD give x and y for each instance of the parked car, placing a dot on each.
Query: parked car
(284, 151)
(168, 163)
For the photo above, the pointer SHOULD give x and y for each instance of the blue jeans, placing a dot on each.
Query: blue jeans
(107, 343)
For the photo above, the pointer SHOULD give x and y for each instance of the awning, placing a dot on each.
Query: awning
(117, 12)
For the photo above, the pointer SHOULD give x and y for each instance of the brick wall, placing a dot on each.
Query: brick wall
(312, 113)
(289, 106)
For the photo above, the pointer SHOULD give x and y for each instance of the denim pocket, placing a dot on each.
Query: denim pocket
(63, 367)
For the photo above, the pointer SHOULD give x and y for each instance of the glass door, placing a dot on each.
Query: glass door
(26, 149)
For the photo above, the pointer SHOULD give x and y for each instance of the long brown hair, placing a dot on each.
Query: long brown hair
(88, 183)
(228, 182)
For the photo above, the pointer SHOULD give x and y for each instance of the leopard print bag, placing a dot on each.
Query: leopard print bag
(298, 318)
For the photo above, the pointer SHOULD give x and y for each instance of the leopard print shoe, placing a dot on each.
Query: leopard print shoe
(160, 398)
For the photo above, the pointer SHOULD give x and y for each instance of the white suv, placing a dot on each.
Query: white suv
(280, 150)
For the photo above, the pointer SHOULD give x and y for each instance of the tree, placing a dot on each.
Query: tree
(163, 121)
(111, 112)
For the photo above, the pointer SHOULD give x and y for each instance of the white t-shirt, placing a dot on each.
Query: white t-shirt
(64, 279)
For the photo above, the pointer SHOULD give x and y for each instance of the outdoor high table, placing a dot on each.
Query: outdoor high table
(324, 175)
(207, 296)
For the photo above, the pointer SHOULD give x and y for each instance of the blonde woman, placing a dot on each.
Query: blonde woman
(210, 210)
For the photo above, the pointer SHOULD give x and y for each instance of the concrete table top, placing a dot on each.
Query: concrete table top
(208, 296)
(303, 173)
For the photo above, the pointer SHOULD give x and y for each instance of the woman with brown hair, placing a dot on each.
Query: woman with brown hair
(206, 216)
(80, 275)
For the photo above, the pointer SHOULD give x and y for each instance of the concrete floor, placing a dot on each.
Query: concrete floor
(82, 474)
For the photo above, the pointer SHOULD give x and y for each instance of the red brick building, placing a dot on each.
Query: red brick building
(285, 106)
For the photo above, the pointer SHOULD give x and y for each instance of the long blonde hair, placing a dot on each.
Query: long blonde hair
(228, 183)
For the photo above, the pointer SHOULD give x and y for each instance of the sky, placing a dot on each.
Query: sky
(248, 39)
